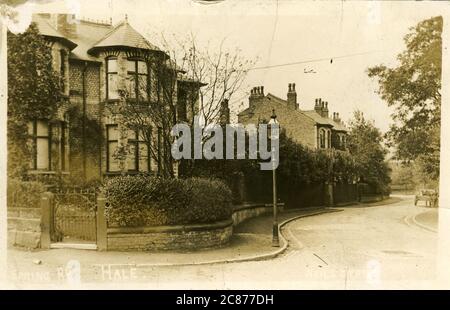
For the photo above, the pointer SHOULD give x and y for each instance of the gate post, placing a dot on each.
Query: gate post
(47, 215)
(102, 242)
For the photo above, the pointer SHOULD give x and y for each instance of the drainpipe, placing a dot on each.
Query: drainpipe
(100, 115)
(83, 121)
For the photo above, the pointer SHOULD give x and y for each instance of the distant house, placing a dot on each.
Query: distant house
(312, 128)
(95, 59)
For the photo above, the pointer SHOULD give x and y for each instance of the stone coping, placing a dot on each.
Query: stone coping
(169, 228)
(248, 206)
(193, 227)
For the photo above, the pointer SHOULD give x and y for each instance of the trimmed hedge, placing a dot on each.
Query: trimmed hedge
(24, 194)
(144, 200)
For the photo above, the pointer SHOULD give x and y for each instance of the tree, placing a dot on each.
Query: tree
(186, 81)
(413, 89)
(34, 91)
(365, 145)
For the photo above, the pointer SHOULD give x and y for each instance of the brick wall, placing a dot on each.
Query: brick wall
(92, 83)
(93, 112)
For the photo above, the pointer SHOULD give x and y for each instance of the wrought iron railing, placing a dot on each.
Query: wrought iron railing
(75, 215)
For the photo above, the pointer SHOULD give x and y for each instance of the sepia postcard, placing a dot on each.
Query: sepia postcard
(224, 144)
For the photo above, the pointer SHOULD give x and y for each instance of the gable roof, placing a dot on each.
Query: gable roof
(90, 37)
(46, 29)
(319, 119)
(324, 120)
(312, 114)
(87, 34)
(268, 96)
(123, 35)
(339, 126)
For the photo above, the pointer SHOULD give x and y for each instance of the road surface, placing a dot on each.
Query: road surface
(376, 247)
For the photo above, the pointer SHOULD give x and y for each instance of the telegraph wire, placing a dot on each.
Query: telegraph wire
(330, 59)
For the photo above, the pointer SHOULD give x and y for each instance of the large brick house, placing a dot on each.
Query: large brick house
(312, 128)
(94, 60)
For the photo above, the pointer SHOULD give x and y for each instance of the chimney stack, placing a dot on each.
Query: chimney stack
(224, 112)
(67, 25)
(318, 105)
(292, 96)
(325, 109)
(256, 95)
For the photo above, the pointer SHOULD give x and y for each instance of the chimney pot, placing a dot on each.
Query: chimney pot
(292, 96)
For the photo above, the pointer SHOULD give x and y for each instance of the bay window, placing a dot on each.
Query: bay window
(39, 132)
(112, 138)
(328, 138)
(137, 79)
(112, 89)
(322, 138)
(138, 158)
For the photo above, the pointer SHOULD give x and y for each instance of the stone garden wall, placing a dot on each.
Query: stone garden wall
(24, 227)
(169, 237)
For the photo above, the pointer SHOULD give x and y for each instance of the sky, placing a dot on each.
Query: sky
(282, 32)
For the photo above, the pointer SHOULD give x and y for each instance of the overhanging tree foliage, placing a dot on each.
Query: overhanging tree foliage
(413, 89)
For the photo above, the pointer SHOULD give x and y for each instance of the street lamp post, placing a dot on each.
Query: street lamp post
(275, 240)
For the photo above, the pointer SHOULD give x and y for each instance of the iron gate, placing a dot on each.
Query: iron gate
(75, 216)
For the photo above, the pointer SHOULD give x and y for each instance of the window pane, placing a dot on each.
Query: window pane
(131, 158)
(143, 86)
(113, 162)
(143, 157)
(112, 65)
(113, 92)
(142, 67)
(113, 133)
(42, 128)
(30, 126)
(142, 136)
(42, 153)
(131, 86)
(131, 134)
(131, 65)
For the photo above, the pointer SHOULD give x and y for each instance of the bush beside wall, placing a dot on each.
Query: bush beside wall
(24, 194)
(145, 200)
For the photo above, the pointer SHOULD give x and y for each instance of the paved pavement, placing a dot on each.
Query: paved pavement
(429, 219)
(366, 246)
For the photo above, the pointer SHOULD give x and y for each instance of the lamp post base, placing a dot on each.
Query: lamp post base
(275, 239)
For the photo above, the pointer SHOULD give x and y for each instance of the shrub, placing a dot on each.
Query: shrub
(24, 194)
(144, 200)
